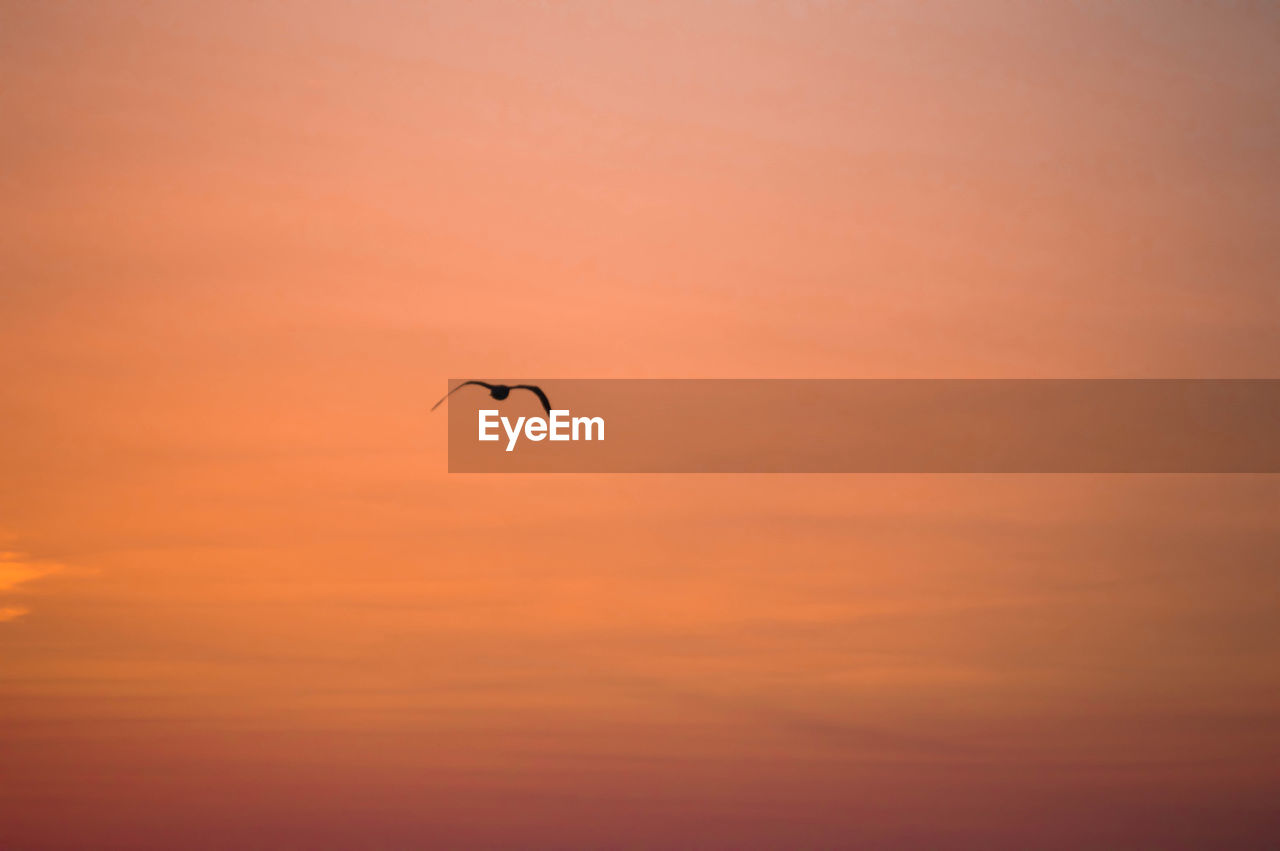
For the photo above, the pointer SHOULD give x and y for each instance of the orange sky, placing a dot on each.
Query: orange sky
(242, 604)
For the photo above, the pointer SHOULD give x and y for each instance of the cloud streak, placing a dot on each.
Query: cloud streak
(8, 613)
(17, 569)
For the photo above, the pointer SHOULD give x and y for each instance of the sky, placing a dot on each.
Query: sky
(242, 604)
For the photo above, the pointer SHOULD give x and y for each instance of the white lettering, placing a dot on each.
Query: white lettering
(486, 424)
(560, 427)
(587, 422)
(512, 433)
(557, 422)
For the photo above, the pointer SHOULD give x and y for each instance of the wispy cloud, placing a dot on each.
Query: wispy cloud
(8, 613)
(17, 569)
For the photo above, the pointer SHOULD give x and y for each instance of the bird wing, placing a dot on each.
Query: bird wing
(459, 387)
(537, 391)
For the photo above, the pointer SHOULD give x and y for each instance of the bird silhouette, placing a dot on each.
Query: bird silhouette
(500, 392)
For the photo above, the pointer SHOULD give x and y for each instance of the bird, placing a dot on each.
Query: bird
(500, 392)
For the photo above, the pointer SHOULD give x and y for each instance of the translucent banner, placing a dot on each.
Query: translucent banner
(864, 426)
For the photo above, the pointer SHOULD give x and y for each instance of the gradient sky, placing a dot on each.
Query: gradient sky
(244, 246)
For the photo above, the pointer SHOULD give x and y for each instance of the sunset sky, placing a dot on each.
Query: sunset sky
(243, 604)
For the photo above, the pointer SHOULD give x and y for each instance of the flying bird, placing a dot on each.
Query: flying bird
(500, 392)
